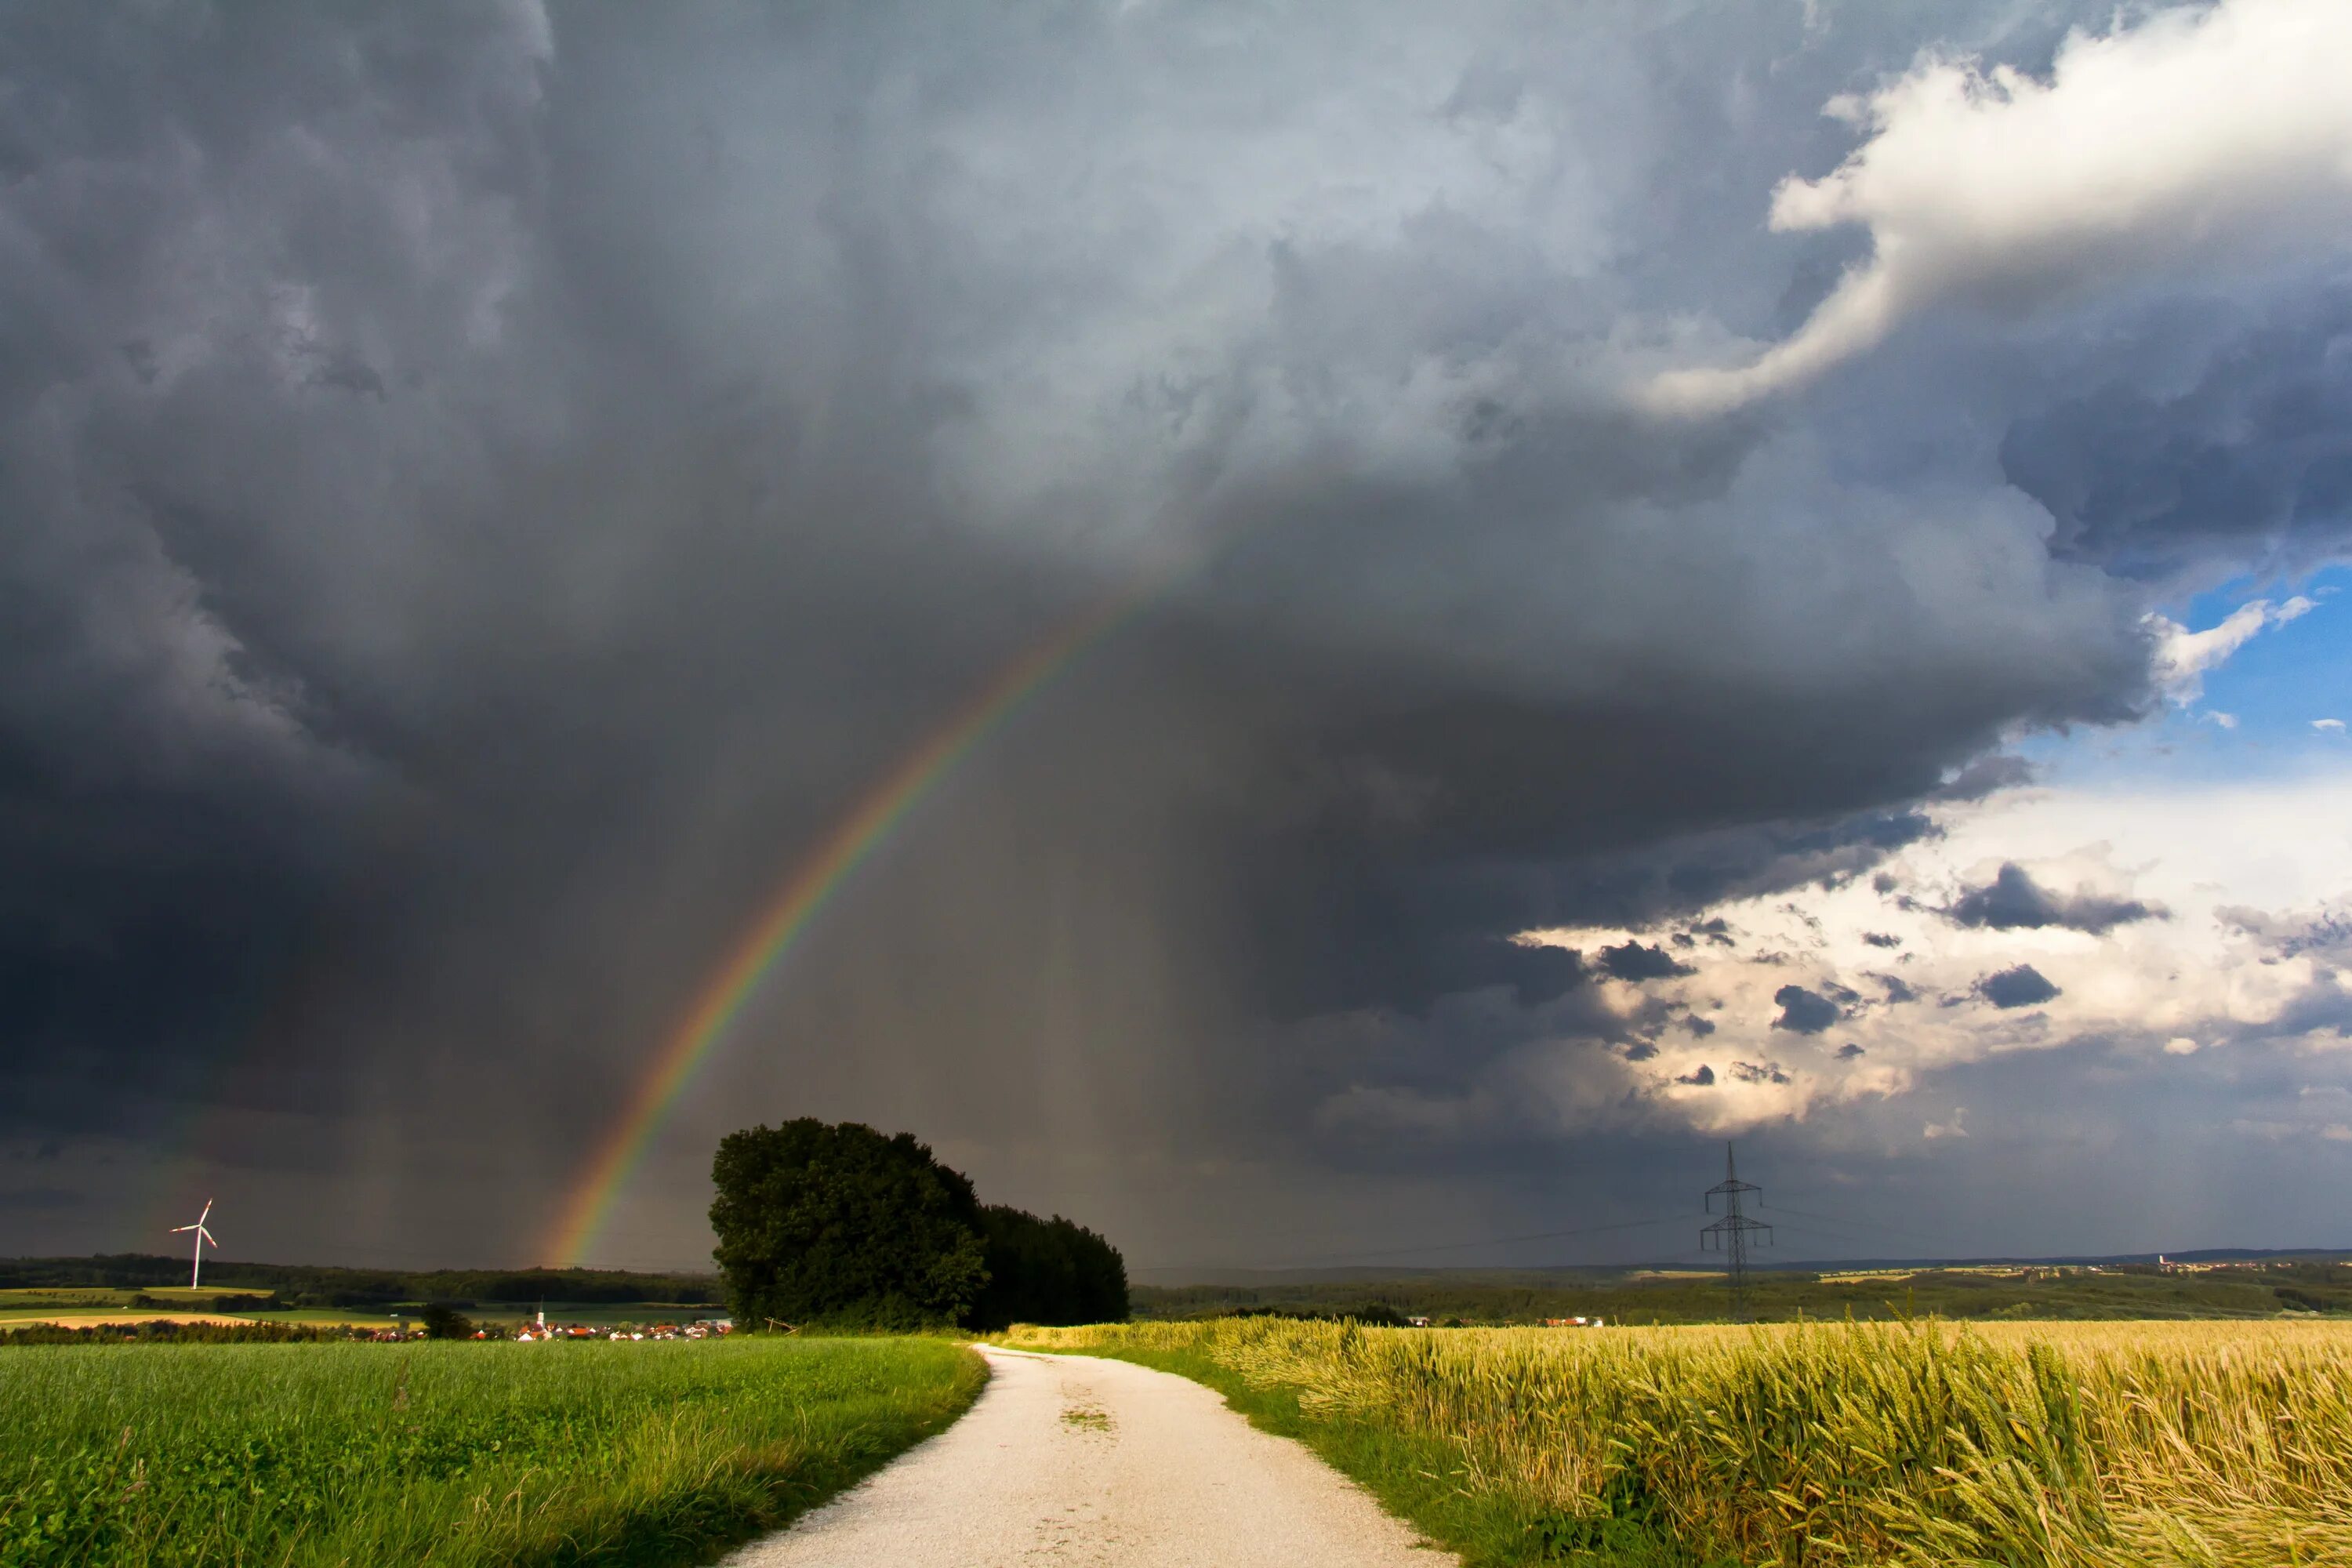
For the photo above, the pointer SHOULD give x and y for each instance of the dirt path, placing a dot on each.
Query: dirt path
(1081, 1461)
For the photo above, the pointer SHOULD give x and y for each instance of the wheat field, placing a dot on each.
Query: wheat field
(2218, 1445)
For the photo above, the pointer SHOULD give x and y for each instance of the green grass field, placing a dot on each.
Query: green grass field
(2150, 1444)
(447, 1453)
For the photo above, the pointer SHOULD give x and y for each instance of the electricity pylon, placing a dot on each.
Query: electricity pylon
(1729, 1234)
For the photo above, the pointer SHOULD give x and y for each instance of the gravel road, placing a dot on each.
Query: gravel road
(1099, 1464)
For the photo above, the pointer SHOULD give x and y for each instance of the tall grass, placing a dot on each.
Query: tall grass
(151, 1455)
(2070, 1446)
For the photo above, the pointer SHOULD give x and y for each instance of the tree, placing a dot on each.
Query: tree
(1047, 1272)
(819, 1223)
(443, 1321)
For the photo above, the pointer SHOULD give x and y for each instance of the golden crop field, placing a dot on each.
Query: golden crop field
(2113, 1445)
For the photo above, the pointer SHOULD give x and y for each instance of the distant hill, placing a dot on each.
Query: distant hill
(319, 1284)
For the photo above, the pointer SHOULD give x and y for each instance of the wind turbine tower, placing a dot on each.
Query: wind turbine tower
(204, 1239)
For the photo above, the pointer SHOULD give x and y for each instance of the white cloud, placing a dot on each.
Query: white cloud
(2183, 657)
(2328, 726)
(2199, 137)
(2256, 946)
(1951, 1129)
(2226, 721)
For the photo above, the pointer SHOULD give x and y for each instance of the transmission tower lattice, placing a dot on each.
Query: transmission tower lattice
(1729, 1234)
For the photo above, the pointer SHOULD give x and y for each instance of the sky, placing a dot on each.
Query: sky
(1680, 572)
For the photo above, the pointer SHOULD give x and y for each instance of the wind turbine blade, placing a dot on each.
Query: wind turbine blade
(178, 1228)
(208, 1214)
(208, 1238)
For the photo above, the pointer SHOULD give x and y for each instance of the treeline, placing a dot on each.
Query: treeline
(2260, 1290)
(313, 1285)
(838, 1225)
(1370, 1314)
(1052, 1272)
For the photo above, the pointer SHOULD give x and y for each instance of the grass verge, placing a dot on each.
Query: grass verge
(158, 1455)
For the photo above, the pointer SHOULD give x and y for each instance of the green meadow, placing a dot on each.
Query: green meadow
(454, 1453)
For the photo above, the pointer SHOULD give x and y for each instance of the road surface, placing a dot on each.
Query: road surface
(1088, 1463)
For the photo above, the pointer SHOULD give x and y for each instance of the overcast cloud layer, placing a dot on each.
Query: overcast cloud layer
(1656, 511)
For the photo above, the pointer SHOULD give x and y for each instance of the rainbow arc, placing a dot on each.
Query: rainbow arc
(803, 896)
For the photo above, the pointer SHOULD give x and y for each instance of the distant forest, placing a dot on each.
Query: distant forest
(2264, 1288)
(310, 1285)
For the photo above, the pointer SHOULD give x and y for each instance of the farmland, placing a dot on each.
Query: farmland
(446, 1453)
(138, 1288)
(327, 1285)
(2226, 1444)
(91, 1306)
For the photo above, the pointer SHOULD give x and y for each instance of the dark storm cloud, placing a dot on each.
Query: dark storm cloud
(2323, 1006)
(2253, 458)
(27, 1200)
(1351, 962)
(409, 600)
(2021, 987)
(489, 487)
(1700, 868)
(1700, 1077)
(1984, 776)
(1849, 1051)
(1631, 961)
(1804, 1012)
(1882, 939)
(2013, 900)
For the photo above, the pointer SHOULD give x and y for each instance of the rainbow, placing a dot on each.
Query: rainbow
(803, 896)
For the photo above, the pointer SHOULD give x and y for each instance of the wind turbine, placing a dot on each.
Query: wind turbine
(203, 1236)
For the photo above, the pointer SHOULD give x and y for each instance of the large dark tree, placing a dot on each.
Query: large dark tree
(1047, 1272)
(836, 1224)
(443, 1321)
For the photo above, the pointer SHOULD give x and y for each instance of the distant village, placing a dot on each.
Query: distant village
(540, 1331)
